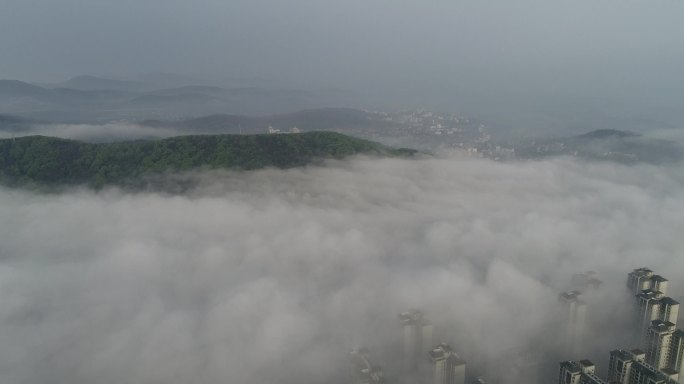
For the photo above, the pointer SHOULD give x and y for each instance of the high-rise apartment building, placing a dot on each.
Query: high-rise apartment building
(651, 303)
(668, 310)
(648, 308)
(630, 367)
(416, 337)
(447, 366)
(661, 361)
(620, 365)
(361, 369)
(664, 347)
(583, 372)
(639, 280)
(625, 367)
(573, 321)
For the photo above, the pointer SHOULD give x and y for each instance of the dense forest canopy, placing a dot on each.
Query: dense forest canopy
(53, 161)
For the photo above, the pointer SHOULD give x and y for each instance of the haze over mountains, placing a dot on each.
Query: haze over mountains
(97, 100)
(244, 191)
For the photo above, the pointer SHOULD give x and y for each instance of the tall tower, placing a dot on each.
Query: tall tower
(639, 279)
(651, 303)
(658, 343)
(664, 348)
(669, 310)
(677, 353)
(416, 337)
(362, 371)
(659, 284)
(620, 365)
(447, 366)
(648, 308)
(574, 317)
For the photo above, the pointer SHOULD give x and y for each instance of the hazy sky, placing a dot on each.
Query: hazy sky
(583, 46)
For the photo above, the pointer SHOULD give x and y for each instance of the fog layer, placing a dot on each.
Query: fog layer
(271, 276)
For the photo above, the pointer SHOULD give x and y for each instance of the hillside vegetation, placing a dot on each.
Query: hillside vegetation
(40, 160)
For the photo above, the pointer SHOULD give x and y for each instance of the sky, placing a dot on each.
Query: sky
(583, 46)
(272, 276)
(527, 66)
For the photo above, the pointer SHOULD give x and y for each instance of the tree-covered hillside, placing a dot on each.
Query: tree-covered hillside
(40, 160)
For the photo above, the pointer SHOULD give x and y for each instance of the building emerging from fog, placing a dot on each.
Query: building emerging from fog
(664, 347)
(361, 369)
(652, 303)
(642, 279)
(416, 338)
(583, 372)
(574, 317)
(447, 366)
(630, 367)
(661, 361)
(625, 367)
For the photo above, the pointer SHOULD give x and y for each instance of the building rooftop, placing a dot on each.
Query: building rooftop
(621, 354)
(413, 317)
(669, 301)
(658, 278)
(642, 271)
(586, 363)
(648, 294)
(569, 296)
(444, 351)
(571, 366)
(455, 359)
(441, 351)
(662, 326)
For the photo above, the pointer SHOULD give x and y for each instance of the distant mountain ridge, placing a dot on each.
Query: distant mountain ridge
(606, 144)
(94, 83)
(10, 123)
(606, 134)
(89, 99)
(308, 119)
(49, 161)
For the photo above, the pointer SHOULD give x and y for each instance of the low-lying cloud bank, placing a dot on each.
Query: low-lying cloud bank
(271, 276)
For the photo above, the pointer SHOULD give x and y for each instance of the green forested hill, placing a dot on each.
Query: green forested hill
(41, 160)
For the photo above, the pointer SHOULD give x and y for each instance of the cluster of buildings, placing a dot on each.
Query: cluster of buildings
(660, 360)
(421, 359)
(274, 131)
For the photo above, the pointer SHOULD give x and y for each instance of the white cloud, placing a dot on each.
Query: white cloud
(269, 276)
